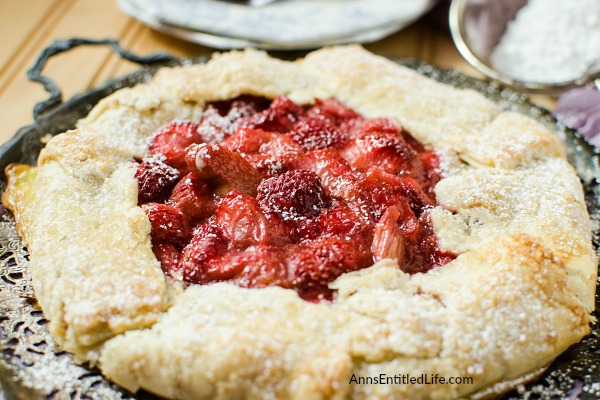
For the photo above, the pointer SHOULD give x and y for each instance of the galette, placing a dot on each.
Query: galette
(338, 226)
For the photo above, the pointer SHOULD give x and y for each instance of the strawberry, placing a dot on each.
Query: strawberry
(168, 223)
(248, 140)
(193, 196)
(244, 224)
(433, 173)
(281, 116)
(221, 119)
(414, 143)
(387, 189)
(319, 262)
(168, 255)
(241, 106)
(339, 220)
(268, 152)
(379, 142)
(333, 110)
(171, 141)
(315, 133)
(388, 240)
(155, 179)
(213, 127)
(207, 244)
(294, 195)
(217, 161)
(244, 106)
(331, 169)
(261, 266)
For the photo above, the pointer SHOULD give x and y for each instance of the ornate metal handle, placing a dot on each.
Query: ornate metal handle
(60, 46)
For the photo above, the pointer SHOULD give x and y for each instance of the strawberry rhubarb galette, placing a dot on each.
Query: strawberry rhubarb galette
(258, 228)
(263, 193)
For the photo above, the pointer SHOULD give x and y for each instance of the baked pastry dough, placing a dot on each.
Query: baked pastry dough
(519, 293)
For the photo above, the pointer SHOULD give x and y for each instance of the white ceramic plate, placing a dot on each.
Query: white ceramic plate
(284, 24)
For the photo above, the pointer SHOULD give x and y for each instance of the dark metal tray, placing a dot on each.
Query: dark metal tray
(32, 367)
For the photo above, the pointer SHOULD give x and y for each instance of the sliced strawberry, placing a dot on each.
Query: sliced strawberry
(294, 195)
(171, 141)
(388, 240)
(322, 162)
(214, 127)
(430, 161)
(414, 143)
(380, 125)
(418, 199)
(261, 266)
(244, 224)
(221, 119)
(268, 152)
(379, 143)
(193, 196)
(333, 110)
(155, 179)
(207, 244)
(223, 268)
(319, 262)
(168, 255)
(315, 133)
(168, 223)
(248, 140)
(387, 189)
(339, 220)
(274, 155)
(281, 116)
(218, 161)
(331, 169)
(241, 106)
(433, 172)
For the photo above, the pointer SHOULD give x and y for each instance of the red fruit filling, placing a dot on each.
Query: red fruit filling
(263, 194)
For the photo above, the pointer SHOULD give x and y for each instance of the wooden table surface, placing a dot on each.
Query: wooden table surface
(29, 26)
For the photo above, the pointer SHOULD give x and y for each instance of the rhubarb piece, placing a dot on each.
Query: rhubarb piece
(217, 161)
(388, 240)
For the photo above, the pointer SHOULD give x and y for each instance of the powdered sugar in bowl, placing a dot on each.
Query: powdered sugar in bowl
(539, 46)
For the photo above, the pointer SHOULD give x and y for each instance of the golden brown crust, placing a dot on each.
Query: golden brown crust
(507, 306)
(476, 317)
